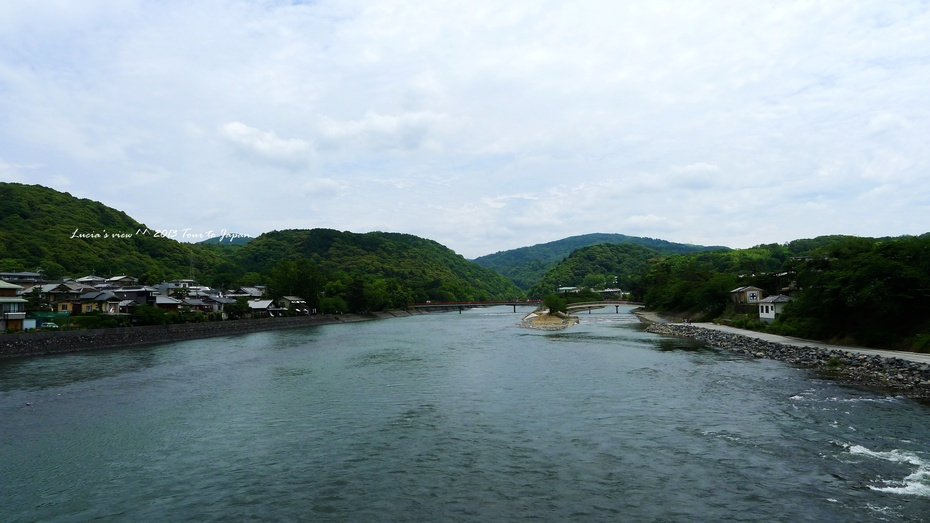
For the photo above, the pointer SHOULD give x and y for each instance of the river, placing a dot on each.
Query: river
(451, 417)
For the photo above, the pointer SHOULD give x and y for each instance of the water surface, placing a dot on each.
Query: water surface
(451, 417)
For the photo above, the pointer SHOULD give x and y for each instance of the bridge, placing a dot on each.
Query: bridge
(591, 305)
(462, 305)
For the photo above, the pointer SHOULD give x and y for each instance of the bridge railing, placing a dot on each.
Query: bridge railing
(474, 303)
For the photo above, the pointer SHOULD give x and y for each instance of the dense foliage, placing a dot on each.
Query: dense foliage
(334, 271)
(855, 290)
(620, 265)
(59, 235)
(526, 266)
(873, 292)
(378, 270)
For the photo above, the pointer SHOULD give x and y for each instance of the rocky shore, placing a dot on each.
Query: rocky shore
(895, 375)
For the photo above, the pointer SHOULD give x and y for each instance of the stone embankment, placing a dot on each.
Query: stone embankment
(39, 343)
(897, 375)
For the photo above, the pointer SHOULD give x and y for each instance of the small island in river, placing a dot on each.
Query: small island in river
(544, 319)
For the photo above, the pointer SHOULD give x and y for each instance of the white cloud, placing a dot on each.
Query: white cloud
(323, 187)
(886, 122)
(515, 122)
(14, 173)
(266, 144)
(406, 131)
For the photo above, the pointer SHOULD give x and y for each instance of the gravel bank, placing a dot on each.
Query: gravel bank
(545, 321)
(899, 376)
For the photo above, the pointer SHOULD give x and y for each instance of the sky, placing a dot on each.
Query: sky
(482, 125)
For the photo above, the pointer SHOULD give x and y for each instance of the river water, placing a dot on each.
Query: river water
(451, 417)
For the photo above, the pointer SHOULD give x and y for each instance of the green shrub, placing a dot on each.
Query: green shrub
(921, 343)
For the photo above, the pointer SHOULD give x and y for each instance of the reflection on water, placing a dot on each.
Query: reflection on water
(55, 371)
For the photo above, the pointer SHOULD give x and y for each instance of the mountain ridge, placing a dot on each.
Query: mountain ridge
(526, 266)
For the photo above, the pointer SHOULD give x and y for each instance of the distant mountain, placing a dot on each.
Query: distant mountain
(526, 266)
(228, 239)
(605, 265)
(57, 234)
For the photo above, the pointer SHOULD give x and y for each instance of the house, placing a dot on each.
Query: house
(140, 294)
(293, 302)
(264, 308)
(788, 284)
(61, 297)
(100, 301)
(12, 306)
(167, 303)
(184, 288)
(21, 277)
(92, 281)
(125, 306)
(746, 295)
(196, 304)
(122, 280)
(771, 307)
(218, 303)
(246, 292)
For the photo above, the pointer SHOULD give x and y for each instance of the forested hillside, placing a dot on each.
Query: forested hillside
(60, 235)
(598, 266)
(526, 266)
(376, 270)
(872, 291)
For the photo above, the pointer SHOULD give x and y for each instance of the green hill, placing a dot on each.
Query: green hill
(406, 267)
(845, 289)
(526, 266)
(598, 266)
(60, 235)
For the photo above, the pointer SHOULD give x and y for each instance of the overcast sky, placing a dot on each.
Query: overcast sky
(483, 125)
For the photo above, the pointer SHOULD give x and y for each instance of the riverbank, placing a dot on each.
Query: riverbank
(42, 343)
(907, 374)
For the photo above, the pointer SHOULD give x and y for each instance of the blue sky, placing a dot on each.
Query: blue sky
(485, 126)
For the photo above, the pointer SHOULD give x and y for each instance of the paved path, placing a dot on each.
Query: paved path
(787, 340)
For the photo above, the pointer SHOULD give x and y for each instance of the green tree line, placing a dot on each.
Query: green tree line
(870, 291)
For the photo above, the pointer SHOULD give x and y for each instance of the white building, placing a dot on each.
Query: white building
(771, 307)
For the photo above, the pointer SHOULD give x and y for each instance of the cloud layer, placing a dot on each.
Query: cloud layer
(482, 125)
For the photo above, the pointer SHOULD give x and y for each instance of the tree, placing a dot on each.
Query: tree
(148, 315)
(296, 278)
(555, 303)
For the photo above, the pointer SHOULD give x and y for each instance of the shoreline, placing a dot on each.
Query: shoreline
(16, 346)
(847, 365)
